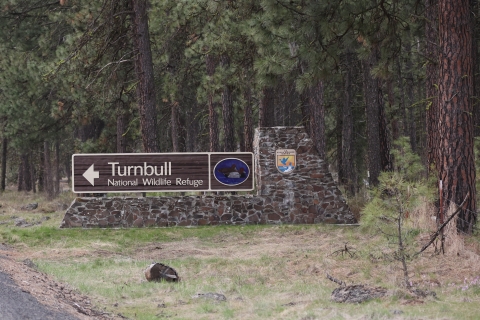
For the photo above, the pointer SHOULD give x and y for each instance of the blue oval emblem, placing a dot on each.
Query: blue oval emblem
(231, 171)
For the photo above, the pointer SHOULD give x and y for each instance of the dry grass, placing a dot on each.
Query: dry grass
(423, 216)
(267, 272)
(454, 241)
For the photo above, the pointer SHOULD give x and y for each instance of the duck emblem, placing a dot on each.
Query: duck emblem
(286, 160)
(231, 171)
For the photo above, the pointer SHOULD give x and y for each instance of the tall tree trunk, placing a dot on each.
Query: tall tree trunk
(391, 103)
(240, 143)
(24, 175)
(174, 126)
(90, 129)
(227, 111)
(403, 109)
(27, 175)
(338, 136)
(191, 144)
(121, 141)
(21, 173)
(68, 170)
(385, 147)
(41, 170)
(410, 100)
(211, 63)
(48, 176)
(4, 162)
(248, 121)
(266, 108)
(372, 112)
(348, 179)
(475, 56)
(305, 109)
(33, 178)
(317, 117)
(57, 168)
(144, 70)
(282, 103)
(455, 85)
(431, 76)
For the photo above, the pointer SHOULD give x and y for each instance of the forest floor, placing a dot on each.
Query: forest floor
(264, 272)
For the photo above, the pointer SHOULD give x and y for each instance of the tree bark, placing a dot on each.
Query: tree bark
(24, 175)
(27, 175)
(68, 170)
(248, 121)
(211, 63)
(174, 126)
(317, 117)
(41, 170)
(402, 106)
(338, 137)
(33, 173)
(385, 146)
(372, 110)
(57, 168)
(227, 111)
(267, 108)
(4, 162)
(455, 126)
(47, 176)
(121, 141)
(431, 76)
(191, 141)
(144, 70)
(475, 55)
(391, 103)
(348, 179)
(90, 129)
(410, 99)
(21, 173)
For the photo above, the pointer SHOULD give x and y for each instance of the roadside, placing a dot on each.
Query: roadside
(37, 295)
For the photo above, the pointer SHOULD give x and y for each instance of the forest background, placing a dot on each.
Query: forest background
(200, 75)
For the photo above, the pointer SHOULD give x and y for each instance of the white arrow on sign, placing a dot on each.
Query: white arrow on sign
(91, 175)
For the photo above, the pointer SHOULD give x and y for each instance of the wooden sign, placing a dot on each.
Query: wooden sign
(162, 172)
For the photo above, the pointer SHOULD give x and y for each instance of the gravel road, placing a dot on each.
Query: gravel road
(17, 304)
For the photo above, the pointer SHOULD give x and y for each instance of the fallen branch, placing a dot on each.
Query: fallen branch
(339, 282)
(437, 233)
(345, 250)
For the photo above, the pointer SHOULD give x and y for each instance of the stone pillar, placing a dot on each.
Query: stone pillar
(308, 194)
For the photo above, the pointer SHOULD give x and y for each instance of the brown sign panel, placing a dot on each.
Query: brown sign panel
(162, 172)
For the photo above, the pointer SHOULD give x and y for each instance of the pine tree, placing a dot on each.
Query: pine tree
(455, 159)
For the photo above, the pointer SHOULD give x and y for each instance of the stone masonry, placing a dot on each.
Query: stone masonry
(305, 196)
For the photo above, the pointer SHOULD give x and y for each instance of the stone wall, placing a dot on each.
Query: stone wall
(307, 195)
